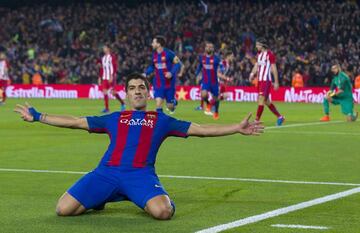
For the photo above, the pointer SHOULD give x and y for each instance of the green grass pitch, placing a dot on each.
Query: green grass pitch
(326, 152)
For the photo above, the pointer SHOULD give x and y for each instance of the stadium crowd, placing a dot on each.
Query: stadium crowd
(60, 44)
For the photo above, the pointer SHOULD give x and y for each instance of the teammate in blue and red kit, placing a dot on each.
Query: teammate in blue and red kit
(166, 66)
(127, 171)
(209, 64)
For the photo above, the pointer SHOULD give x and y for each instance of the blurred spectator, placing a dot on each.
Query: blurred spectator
(65, 40)
(297, 79)
(357, 82)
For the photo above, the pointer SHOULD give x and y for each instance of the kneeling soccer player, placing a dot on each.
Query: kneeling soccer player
(342, 96)
(126, 171)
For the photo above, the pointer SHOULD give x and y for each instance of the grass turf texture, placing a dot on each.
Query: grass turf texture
(307, 153)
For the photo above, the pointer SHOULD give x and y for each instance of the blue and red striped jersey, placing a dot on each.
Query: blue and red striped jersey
(209, 66)
(135, 136)
(161, 63)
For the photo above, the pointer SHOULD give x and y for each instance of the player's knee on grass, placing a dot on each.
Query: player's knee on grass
(69, 206)
(162, 212)
(160, 208)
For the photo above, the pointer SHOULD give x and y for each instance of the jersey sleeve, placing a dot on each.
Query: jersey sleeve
(222, 67)
(272, 58)
(332, 84)
(98, 124)
(171, 56)
(178, 128)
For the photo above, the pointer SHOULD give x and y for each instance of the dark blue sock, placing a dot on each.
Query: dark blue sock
(217, 103)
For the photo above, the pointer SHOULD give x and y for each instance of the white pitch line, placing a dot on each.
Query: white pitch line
(304, 124)
(281, 211)
(196, 177)
(300, 226)
(259, 180)
(317, 133)
(40, 171)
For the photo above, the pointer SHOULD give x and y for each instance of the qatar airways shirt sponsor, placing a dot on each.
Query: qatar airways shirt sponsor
(138, 121)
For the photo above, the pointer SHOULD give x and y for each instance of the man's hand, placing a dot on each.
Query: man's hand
(99, 81)
(254, 128)
(26, 112)
(168, 75)
(251, 77)
(276, 86)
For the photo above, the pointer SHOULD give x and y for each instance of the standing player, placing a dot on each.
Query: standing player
(166, 65)
(127, 171)
(209, 64)
(224, 79)
(107, 77)
(224, 74)
(4, 77)
(340, 93)
(265, 66)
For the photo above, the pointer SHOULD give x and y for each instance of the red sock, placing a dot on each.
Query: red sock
(274, 110)
(4, 96)
(259, 112)
(106, 98)
(117, 96)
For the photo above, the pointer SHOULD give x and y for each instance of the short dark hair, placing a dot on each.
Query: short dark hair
(161, 40)
(136, 76)
(107, 45)
(262, 41)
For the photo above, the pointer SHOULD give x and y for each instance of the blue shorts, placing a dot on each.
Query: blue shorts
(213, 89)
(167, 94)
(104, 185)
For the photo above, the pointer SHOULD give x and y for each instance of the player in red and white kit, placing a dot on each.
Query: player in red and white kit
(265, 66)
(4, 77)
(224, 74)
(107, 77)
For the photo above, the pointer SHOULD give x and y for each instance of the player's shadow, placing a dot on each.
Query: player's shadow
(113, 216)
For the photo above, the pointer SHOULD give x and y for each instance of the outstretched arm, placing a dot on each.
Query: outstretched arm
(245, 127)
(29, 114)
(276, 77)
(253, 72)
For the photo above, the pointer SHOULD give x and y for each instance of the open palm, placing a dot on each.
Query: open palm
(251, 128)
(24, 112)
